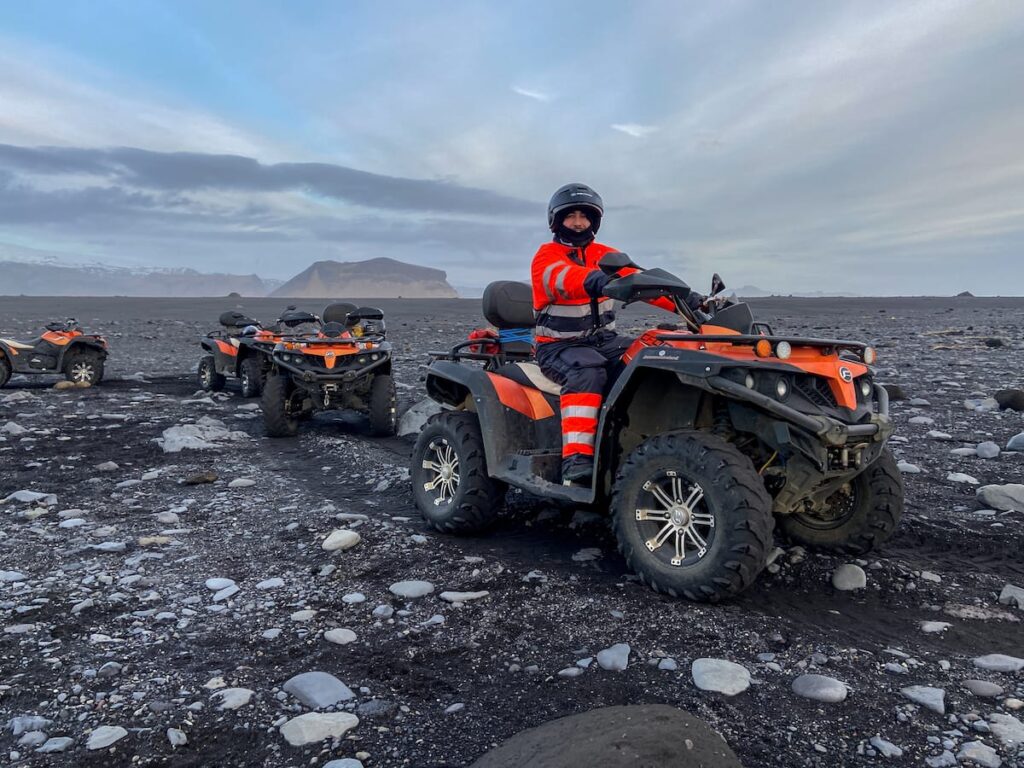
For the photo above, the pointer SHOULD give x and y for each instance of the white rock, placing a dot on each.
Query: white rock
(340, 636)
(1008, 729)
(928, 697)
(932, 577)
(13, 429)
(463, 597)
(318, 689)
(980, 753)
(885, 748)
(206, 434)
(960, 477)
(570, 672)
(907, 468)
(820, 688)
(987, 450)
(242, 482)
(411, 590)
(104, 736)
(273, 583)
(31, 497)
(849, 577)
(934, 627)
(1002, 497)
(341, 539)
(345, 762)
(615, 658)
(216, 585)
(414, 419)
(1016, 443)
(303, 615)
(233, 698)
(353, 598)
(225, 593)
(964, 452)
(924, 420)
(945, 760)
(1010, 595)
(720, 675)
(998, 662)
(56, 744)
(317, 726)
(176, 737)
(108, 466)
(935, 434)
(71, 522)
(12, 576)
(271, 634)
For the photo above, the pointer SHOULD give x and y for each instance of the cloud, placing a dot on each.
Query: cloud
(532, 94)
(634, 129)
(183, 171)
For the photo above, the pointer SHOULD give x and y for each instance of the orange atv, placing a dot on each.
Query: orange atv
(63, 348)
(346, 365)
(708, 434)
(242, 349)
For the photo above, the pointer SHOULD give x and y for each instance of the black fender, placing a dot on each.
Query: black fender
(509, 436)
(77, 344)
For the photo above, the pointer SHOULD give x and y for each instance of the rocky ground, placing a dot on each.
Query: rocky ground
(168, 608)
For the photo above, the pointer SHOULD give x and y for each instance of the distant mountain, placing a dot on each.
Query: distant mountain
(380, 278)
(753, 292)
(54, 279)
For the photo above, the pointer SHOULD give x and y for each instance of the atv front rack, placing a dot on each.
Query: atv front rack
(826, 345)
(458, 353)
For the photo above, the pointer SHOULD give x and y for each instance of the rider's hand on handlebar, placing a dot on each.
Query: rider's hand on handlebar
(595, 282)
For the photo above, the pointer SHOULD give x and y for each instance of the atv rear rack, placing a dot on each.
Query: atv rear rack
(457, 353)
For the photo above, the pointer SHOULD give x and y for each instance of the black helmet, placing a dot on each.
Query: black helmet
(573, 197)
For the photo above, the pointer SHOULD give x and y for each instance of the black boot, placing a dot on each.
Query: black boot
(577, 469)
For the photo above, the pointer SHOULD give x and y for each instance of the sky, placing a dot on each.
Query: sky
(863, 147)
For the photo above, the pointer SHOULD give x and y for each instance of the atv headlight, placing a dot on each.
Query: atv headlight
(782, 388)
(870, 356)
(749, 381)
(865, 387)
(783, 350)
(374, 356)
(361, 359)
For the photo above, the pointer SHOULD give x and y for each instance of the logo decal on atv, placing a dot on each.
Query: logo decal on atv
(846, 374)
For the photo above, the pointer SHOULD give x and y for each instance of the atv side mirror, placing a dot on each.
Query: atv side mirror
(612, 262)
(717, 284)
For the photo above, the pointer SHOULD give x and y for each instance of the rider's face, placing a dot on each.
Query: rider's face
(577, 221)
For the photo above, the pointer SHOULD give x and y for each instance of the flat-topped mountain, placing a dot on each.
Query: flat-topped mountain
(380, 278)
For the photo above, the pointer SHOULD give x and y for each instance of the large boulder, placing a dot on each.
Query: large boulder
(616, 737)
(1003, 497)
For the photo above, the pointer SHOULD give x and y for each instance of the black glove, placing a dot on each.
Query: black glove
(595, 282)
(695, 300)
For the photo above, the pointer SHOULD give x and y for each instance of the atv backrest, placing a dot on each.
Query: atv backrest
(234, 319)
(338, 312)
(508, 304)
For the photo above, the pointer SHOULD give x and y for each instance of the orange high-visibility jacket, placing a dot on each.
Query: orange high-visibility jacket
(562, 307)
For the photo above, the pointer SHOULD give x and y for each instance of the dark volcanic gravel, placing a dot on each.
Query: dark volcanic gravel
(107, 621)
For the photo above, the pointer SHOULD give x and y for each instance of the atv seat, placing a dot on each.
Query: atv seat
(530, 375)
(508, 306)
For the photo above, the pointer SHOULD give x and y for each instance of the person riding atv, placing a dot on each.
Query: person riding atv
(575, 322)
(346, 364)
(62, 348)
(708, 434)
(242, 349)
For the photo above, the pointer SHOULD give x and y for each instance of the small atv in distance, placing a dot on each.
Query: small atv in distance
(708, 435)
(242, 349)
(63, 348)
(347, 365)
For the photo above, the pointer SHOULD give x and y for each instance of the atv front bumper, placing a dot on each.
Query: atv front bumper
(341, 376)
(831, 432)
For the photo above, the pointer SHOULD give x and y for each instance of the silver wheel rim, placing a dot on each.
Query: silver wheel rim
(81, 372)
(442, 465)
(206, 376)
(679, 517)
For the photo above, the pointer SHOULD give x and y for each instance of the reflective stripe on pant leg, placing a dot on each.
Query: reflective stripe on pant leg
(579, 422)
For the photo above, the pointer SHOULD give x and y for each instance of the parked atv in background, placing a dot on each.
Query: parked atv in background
(346, 365)
(63, 348)
(242, 349)
(712, 431)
